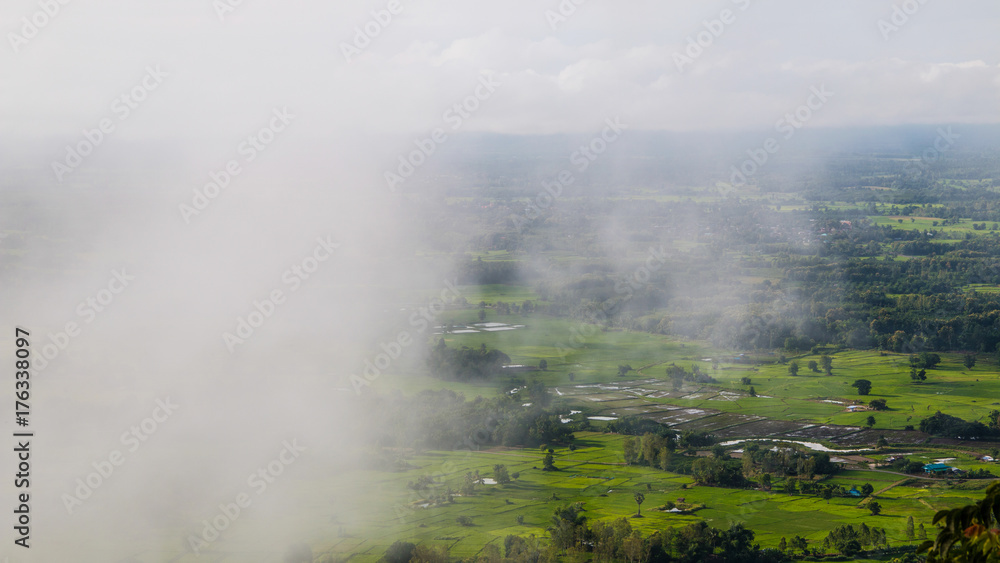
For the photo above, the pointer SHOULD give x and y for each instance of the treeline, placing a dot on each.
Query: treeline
(462, 364)
(833, 276)
(480, 272)
(572, 536)
(940, 424)
(660, 450)
(446, 420)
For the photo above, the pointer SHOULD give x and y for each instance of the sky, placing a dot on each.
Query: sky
(561, 67)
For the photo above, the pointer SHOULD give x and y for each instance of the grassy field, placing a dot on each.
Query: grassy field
(948, 233)
(594, 475)
(593, 356)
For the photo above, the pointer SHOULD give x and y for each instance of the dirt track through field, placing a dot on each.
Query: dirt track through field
(877, 493)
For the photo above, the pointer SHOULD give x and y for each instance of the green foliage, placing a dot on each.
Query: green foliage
(615, 540)
(967, 534)
(849, 540)
(465, 363)
(722, 473)
(863, 386)
(637, 426)
(791, 486)
(568, 527)
(547, 463)
(940, 424)
(399, 552)
(827, 363)
(500, 474)
(925, 360)
(969, 360)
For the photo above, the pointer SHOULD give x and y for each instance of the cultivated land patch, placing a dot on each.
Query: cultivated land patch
(639, 410)
(823, 432)
(810, 407)
(717, 422)
(595, 475)
(679, 416)
(760, 428)
(870, 436)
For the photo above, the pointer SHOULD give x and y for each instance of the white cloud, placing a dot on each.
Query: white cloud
(605, 60)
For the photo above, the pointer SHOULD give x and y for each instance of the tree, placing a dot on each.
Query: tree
(878, 405)
(926, 360)
(639, 498)
(469, 485)
(918, 376)
(921, 532)
(491, 554)
(863, 386)
(867, 490)
(630, 450)
(793, 368)
(827, 363)
(623, 370)
(547, 464)
(882, 442)
(813, 366)
(568, 526)
(909, 528)
(791, 486)
(650, 446)
(870, 421)
(399, 552)
(765, 481)
(828, 493)
(752, 392)
(800, 543)
(966, 533)
(874, 507)
(969, 361)
(543, 365)
(500, 474)
(464, 520)
(745, 381)
(634, 547)
(782, 545)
